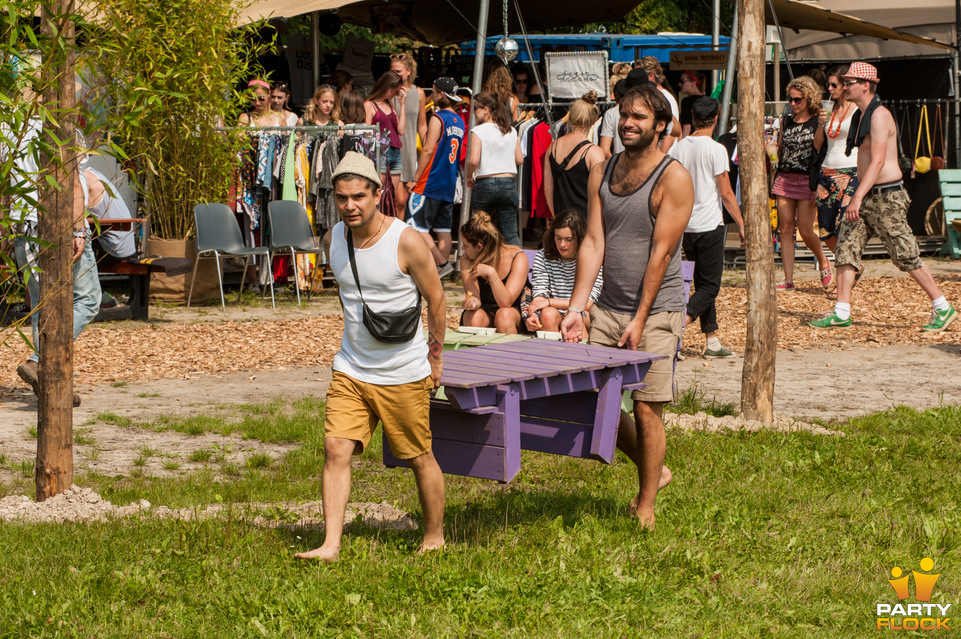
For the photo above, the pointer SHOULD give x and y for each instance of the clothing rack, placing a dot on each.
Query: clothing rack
(288, 162)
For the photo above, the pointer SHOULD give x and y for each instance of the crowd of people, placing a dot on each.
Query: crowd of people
(609, 269)
(627, 192)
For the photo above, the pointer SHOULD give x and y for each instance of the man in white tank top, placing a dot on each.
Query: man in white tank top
(639, 203)
(373, 380)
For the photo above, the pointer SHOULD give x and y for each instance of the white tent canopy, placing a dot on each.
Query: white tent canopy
(934, 19)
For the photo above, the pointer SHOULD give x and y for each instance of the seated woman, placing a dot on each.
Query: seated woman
(552, 278)
(494, 276)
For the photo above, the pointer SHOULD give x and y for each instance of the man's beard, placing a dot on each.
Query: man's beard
(642, 142)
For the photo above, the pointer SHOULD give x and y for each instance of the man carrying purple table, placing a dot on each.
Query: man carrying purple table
(382, 372)
(639, 203)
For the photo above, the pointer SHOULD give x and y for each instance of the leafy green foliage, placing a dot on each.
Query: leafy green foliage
(653, 16)
(173, 71)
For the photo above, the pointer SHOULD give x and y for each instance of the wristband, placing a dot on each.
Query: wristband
(81, 233)
(571, 309)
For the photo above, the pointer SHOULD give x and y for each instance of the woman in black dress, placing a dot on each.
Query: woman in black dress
(569, 159)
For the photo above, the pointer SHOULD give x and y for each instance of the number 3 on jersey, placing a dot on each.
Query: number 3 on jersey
(453, 150)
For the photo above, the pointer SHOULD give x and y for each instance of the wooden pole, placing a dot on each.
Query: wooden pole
(757, 378)
(54, 471)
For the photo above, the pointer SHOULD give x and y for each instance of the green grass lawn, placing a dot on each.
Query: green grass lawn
(761, 534)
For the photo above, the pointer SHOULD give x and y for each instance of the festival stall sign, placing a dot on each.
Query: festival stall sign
(698, 60)
(572, 74)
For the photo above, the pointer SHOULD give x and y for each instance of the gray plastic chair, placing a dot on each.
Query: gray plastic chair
(291, 232)
(219, 235)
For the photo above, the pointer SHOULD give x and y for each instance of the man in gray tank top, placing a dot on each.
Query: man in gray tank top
(639, 203)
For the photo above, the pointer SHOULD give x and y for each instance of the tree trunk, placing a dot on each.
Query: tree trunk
(54, 472)
(757, 379)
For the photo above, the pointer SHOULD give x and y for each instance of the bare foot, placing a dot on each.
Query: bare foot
(432, 545)
(666, 477)
(645, 518)
(322, 553)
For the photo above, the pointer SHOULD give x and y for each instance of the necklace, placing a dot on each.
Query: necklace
(368, 240)
(844, 114)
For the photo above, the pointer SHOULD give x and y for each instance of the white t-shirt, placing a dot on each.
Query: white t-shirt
(25, 172)
(609, 128)
(674, 110)
(704, 159)
(497, 150)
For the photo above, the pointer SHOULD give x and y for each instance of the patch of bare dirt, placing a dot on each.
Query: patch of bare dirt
(186, 362)
(84, 505)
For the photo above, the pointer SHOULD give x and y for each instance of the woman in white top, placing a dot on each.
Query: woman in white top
(492, 166)
(279, 101)
(839, 173)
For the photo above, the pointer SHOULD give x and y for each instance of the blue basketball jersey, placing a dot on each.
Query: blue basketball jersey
(440, 179)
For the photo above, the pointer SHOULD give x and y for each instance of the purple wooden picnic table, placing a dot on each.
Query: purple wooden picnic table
(552, 397)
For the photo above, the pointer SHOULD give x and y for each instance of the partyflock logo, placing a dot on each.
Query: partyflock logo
(914, 616)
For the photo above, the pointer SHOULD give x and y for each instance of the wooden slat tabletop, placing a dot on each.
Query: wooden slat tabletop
(497, 364)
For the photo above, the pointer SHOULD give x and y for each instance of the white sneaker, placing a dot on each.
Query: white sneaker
(445, 270)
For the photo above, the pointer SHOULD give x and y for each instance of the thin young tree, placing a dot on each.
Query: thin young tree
(757, 378)
(54, 468)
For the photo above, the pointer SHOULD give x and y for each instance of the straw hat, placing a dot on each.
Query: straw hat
(357, 164)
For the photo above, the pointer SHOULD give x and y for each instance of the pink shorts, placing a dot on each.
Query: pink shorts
(792, 185)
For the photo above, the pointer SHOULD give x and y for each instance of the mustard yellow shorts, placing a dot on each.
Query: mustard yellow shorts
(662, 334)
(354, 407)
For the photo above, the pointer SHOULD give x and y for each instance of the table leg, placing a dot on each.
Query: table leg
(607, 416)
(487, 446)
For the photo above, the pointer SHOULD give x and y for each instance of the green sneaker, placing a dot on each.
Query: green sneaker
(721, 352)
(830, 320)
(940, 320)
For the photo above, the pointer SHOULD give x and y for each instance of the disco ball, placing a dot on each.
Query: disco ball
(507, 49)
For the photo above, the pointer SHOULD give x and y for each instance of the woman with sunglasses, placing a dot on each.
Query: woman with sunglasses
(691, 85)
(261, 115)
(404, 65)
(279, 101)
(799, 139)
(838, 178)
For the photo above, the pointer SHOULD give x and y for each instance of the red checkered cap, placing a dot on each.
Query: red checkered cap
(862, 71)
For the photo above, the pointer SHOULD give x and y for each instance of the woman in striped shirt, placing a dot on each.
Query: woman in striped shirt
(552, 278)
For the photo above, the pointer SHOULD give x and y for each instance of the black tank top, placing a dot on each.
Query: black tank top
(570, 182)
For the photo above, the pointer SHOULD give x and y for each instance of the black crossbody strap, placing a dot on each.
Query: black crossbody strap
(353, 264)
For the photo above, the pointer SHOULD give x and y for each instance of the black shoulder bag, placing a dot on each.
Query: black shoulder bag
(386, 327)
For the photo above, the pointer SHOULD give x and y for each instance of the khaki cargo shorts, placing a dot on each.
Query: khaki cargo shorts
(884, 216)
(662, 334)
(354, 408)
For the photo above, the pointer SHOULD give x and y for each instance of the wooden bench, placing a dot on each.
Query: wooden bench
(138, 272)
(950, 181)
(137, 269)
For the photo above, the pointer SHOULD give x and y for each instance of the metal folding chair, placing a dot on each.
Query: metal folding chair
(291, 232)
(218, 235)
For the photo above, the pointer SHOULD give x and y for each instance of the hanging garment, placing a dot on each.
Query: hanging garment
(540, 140)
